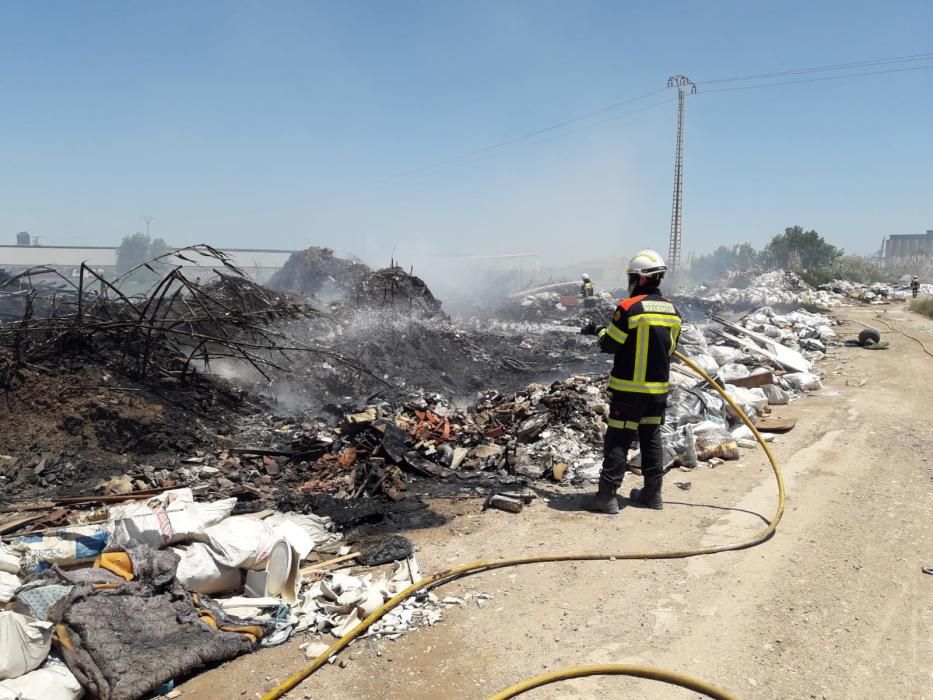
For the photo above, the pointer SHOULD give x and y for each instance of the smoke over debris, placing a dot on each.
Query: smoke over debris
(322, 276)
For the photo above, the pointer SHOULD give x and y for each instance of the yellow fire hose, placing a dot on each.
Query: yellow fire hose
(655, 674)
(575, 672)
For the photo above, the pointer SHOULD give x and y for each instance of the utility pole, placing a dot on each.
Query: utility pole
(683, 84)
(148, 220)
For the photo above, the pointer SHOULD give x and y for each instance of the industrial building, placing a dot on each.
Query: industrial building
(911, 245)
(260, 264)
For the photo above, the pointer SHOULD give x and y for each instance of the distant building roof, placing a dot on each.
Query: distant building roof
(73, 256)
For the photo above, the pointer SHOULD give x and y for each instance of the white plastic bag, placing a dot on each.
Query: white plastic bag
(213, 563)
(730, 372)
(53, 681)
(24, 643)
(240, 541)
(172, 517)
(724, 355)
(9, 560)
(751, 401)
(8, 585)
(707, 363)
(776, 395)
(803, 381)
(199, 571)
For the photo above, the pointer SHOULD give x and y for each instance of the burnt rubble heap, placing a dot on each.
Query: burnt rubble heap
(202, 441)
(349, 403)
(345, 285)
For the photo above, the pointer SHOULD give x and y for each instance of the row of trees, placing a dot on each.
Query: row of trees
(803, 251)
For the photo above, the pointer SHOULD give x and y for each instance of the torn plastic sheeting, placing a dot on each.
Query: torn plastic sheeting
(24, 643)
(693, 406)
(51, 681)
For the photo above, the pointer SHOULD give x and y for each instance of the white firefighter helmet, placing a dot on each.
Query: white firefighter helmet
(586, 277)
(647, 263)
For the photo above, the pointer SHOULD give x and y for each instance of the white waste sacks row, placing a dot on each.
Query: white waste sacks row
(694, 408)
(786, 288)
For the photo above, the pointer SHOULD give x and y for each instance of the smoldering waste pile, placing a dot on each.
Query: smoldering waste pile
(349, 284)
(158, 555)
(555, 431)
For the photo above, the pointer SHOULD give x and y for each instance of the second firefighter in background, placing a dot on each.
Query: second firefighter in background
(643, 336)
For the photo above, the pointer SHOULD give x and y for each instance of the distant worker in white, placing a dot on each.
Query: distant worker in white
(588, 292)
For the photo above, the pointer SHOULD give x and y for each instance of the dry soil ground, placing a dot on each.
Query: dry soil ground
(834, 606)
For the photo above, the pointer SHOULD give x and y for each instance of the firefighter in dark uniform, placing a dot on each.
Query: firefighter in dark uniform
(588, 292)
(915, 286)
(642, 335)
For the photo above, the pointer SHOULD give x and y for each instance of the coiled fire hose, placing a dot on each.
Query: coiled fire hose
(449, 575)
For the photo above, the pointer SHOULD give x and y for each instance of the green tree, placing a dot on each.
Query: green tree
(133, 251)
(137, 249)
(797, 249)
(724, 259)
(159, 247)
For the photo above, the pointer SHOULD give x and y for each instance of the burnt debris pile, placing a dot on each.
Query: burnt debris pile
(347, 285)
(167, 332)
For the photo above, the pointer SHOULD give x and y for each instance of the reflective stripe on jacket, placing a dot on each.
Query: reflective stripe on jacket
(643, 335)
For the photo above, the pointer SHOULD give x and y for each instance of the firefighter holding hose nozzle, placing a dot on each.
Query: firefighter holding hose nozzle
(643, 336)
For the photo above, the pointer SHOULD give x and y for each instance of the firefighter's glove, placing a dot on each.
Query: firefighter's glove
(589, 329)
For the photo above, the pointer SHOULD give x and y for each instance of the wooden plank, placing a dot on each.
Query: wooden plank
(17, 523)
(776, 425)
(754, 380)
(321, 564)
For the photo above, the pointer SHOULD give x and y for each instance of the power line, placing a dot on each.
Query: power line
(517, 139)
(818, 69)
(892, 60)
(817, 80)
(614, 117)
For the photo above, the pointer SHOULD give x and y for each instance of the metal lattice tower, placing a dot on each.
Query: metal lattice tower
(683, 84)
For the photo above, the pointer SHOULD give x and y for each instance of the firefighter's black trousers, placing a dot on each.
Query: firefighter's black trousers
(633, 416)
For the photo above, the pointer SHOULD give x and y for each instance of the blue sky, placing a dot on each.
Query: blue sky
(286, 124)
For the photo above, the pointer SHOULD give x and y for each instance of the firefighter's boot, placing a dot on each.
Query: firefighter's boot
(650, 495)
(604, 500)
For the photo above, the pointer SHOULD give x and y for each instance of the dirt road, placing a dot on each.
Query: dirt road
(834, 606)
